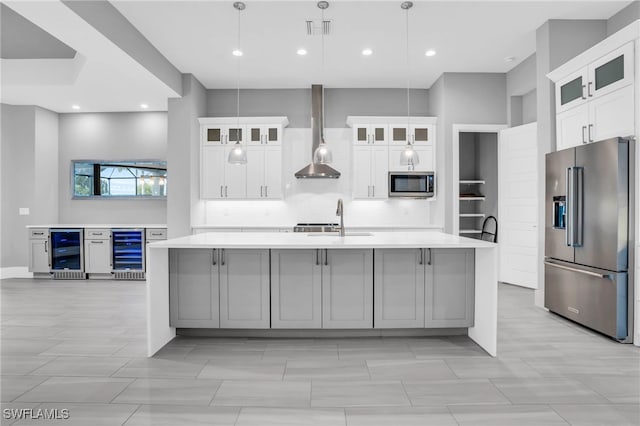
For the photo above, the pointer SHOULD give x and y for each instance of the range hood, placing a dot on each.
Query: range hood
(316, 170)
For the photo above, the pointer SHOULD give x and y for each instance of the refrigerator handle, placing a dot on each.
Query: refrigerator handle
(581, 271)
(569, 191)
(578, 205)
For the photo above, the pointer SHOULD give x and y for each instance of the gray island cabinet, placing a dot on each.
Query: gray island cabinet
(298, 282)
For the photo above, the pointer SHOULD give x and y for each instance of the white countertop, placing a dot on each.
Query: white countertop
(97, 225)
(292, 240)
(290, 226)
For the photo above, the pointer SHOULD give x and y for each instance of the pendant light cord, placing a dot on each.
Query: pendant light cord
(238, 82)
(408, 73)
(322, 26)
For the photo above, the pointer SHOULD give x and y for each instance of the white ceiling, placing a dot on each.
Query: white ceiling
(469, 36)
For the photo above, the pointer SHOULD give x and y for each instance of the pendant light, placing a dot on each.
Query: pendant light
(238, 155)
(408, 157)
(322, 154)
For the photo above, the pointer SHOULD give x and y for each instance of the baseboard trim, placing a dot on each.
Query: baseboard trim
(319, 333)
(15, 272)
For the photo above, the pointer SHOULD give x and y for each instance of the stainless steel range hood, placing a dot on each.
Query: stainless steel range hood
(316, 170)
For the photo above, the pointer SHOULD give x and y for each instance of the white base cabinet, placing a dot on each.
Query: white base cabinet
(347, 288)
(193, 288)
(296, 289)
(244, 288)
(39, 250)
(399, 277)
(97, 251)
(449, 287)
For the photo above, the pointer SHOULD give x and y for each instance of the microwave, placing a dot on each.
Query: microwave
(412, 184)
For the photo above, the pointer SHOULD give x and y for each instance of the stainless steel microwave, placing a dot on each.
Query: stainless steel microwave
(412, 184)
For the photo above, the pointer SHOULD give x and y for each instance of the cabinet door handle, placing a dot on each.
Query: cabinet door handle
(221, 194)
(590, 127)
(413, 139)
(226, 193)
(584, 139)
(368, 191)
(46, 243)
(429, 257)
(373, 191)
(213, 258)
(421, 257)
(222, 257)
(317, 257)
(261, 190)
(584, 87)
(96, 242)
(266, 190)
(589, 89)
(326, 257)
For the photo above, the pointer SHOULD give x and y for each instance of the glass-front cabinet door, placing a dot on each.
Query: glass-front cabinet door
(213, 135)
(264, 135)
(421, 134)
(398, 134)
(370, 134)
(611, 72)
(571, 91)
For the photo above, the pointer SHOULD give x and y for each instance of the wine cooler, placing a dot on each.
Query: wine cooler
(66, 256)
(128, 254)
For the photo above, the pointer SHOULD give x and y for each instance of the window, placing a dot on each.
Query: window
(114, 179)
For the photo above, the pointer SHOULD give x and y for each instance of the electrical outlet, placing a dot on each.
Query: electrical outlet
(23, 211)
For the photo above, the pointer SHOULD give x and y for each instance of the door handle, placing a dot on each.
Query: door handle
(373, 191)
(266, 190)
(421, 257)
(46, 243)
(317, 257)
(590, 127)
(569, 201)
(583, 90)
(222, 257)
(221, 193)
(326, 257)
(581, 271)
(213, 258)
(261, 189)
(226, 194)
(368, 190)
(429, 257)
(589, 89)
(584, 128)
(413, 139)
(96, 242)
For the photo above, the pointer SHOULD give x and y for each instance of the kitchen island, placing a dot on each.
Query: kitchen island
(293, 281)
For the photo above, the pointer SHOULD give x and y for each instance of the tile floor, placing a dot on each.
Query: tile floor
(80, 346)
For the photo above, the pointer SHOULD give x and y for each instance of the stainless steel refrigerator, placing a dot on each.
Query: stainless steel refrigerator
(589, 234)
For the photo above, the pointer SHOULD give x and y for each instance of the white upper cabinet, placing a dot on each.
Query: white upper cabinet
(370, 172)
(261, 177)
(264, 134)
(370, 134)
(595, 92)
(415, 134)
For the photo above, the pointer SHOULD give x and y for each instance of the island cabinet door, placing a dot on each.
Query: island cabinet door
(399, 277)
(193, 288)
(450, 285)
(296, 289)
(244, 288)
(347, 288)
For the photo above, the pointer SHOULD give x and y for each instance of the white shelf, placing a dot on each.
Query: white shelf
(472, 198)
(471, 231)
(471, 215)
(470, 182)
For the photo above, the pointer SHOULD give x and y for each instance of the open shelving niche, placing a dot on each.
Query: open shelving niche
(466, 215)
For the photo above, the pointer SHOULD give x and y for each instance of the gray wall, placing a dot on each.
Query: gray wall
(464, 98)
(521, 80)
(29, 177)
(557, 41)
(111, 136)
(296, 104)
(183, 153)
(529, 107)
(624, 17)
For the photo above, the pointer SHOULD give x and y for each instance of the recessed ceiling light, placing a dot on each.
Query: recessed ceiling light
(301, 52)
(367, 52)
(144, 106)
(75, 106)
(430, 52)
(510, 59)
(237, 52)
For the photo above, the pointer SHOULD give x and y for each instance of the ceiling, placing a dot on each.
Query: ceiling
(469, 36)
(82, 66)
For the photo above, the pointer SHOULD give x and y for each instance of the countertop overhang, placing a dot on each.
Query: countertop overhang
(291, 240)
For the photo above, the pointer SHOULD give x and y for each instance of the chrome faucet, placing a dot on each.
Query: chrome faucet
(340, 212)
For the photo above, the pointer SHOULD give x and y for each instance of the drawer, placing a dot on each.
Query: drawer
(156, 234)
(38, 233)
(97, 233)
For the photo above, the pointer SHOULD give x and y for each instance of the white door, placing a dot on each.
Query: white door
(361, 135)
(255, 171)
(244, 288)
(296, 289)
(380, 172)
(612, 115)
(235, 178)
(347, 288)
(399, 288)
(572, 127)
(518, 205)
(212, 172)
(273, 172)
(361, 172)
(97, 256)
